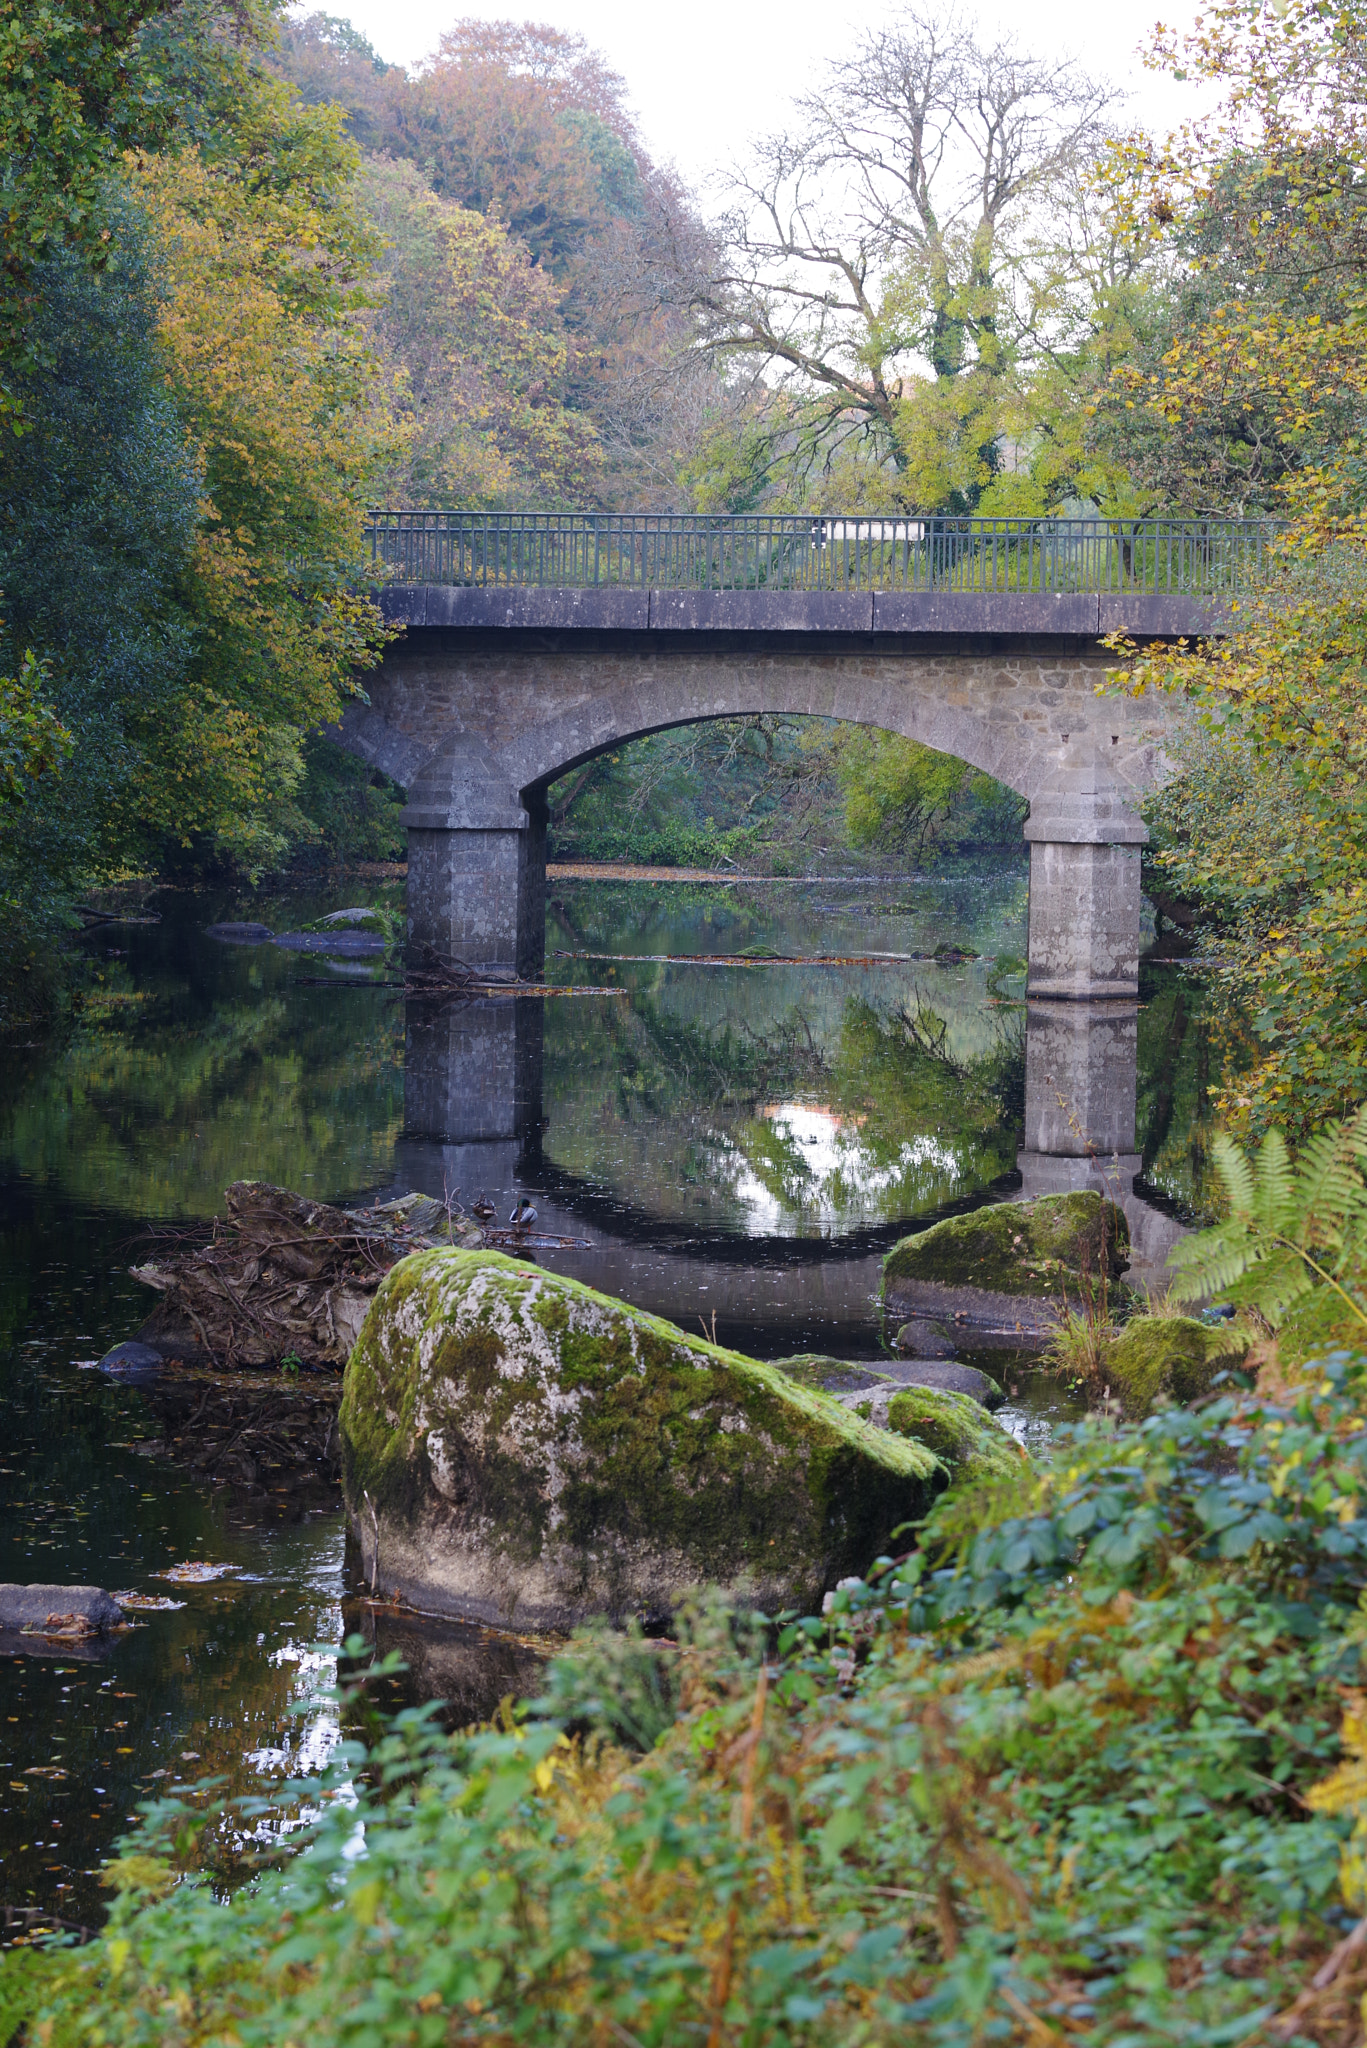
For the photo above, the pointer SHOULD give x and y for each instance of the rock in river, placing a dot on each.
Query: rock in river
(1176, 1356)
(518, 1447)
(1007, 1268)
(59, 1610)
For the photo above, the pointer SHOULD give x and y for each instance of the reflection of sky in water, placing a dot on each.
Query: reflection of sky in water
(787, 1100)
(821, 1168)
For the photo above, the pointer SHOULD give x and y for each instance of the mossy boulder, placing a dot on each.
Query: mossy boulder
(1038, 1249)
(1176, 1356)
(830, 1375)
(519, 1448)
(1321, 1321)
(958, 1429)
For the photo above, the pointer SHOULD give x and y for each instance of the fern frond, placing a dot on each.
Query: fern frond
(1275, 1285)
(1211, 1261)
(1274, 1184)
(1328, 1189)
(1236, 1175)
(1355, 1133)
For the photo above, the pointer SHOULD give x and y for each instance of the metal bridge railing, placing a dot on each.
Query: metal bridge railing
(756, 551)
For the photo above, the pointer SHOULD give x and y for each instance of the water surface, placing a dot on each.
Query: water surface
(737, 1145)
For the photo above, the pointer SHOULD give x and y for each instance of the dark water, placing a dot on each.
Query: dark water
(739, 1143)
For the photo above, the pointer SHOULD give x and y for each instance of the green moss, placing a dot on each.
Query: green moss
(830, 1375)
(957, 1428)
(1042, 1248)
(529, 1415)
(1320, 1321)
(1176, 1356)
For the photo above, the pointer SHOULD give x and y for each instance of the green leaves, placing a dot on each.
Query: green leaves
(33, 740)
(1290, 1230)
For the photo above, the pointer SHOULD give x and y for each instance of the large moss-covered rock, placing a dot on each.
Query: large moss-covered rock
(517, 1447)
(1176, 1356)
(958, 1429)
(1039, 1248)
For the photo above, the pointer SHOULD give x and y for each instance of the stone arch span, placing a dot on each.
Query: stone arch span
(476, 726)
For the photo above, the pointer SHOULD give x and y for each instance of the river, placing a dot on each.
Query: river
(737, 1143)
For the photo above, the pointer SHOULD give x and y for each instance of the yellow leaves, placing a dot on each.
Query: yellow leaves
(478, 330)
(1345, 1791)
(288, 418)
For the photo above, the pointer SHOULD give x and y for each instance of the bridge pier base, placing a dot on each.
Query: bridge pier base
(479, 896)
(1084, 898)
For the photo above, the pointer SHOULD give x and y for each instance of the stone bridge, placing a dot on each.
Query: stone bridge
(531, 643)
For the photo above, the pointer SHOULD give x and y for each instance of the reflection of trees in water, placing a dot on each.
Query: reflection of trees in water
(1174, 1118)
(878, 1120)
(166, 1093)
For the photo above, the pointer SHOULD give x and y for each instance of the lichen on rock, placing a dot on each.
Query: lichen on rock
(1042, 1248)
(1176, 1356)
(519, 1447)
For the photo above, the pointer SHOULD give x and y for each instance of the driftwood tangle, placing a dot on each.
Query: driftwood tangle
(286, 1279)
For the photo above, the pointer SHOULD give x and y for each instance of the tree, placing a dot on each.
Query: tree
(1253, 380)
(902, 796)
(81, 82)
(868, 247)
(266, 253)
(476, 330)
(1265, 827)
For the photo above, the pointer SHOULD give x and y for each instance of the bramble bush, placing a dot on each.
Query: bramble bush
(1048, 1777)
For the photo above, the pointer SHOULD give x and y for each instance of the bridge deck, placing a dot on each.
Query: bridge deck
(1012, 614)
(690, 573)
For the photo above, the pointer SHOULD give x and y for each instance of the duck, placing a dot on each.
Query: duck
(483, 1210)
(523, 1214)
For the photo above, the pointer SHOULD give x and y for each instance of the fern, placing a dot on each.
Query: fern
(1290, 1227)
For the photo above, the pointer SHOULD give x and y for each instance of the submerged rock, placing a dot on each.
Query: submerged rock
(132, 1360)
(950, 1376)
(1172, 1355)
(516, 1446)
(239, 934)
(852, 1378)
(922, 1338)
(830, 1375)
(59, 1610)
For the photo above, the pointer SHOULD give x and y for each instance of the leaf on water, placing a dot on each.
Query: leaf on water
(151, 1603)
(196, 1574)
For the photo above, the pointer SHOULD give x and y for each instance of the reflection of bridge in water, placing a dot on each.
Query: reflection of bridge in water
(474, 1121)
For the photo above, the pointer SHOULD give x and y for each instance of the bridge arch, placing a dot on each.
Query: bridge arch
(476, 725)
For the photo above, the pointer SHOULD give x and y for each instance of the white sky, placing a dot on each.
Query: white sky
(704, 76)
